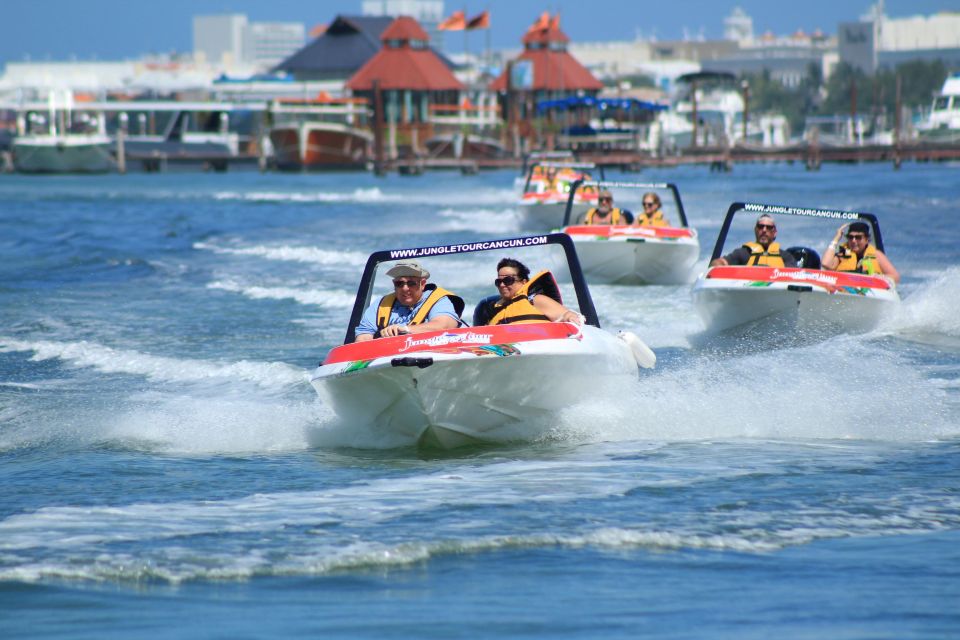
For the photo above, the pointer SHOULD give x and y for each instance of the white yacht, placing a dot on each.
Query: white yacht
(944, 119)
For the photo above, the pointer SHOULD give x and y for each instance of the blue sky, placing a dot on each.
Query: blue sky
(121, 29)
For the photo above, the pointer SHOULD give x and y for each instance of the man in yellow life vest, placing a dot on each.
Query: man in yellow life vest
(762, 253)
(652, 215)
(408, 309)
(857, 254)
(605, 212)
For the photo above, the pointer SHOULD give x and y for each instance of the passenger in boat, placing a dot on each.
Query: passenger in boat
(413, 307)
(605, 212)
(762, 253)
(652, 215)
(857, 254)
(522, 298)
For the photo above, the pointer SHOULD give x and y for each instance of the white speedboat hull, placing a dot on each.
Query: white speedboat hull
(471, 385)
(636, 255)
(793, 299)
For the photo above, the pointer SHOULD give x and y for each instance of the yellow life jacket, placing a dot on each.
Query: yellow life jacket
(519, 309)
(436, 294)
(764, 258)
(655, 219)
(867, 264)
(614, 216)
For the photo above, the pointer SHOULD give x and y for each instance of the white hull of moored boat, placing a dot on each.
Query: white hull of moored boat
(803, 299)
(480, 392)
(68, 153)
(636, 255)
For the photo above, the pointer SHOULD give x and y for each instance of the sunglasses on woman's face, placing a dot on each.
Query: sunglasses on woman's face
(506, 281)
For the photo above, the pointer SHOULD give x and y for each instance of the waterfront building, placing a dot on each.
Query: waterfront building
(545, 70)
(878, 41)
(348, 43)
(413, 80)
(427, 13)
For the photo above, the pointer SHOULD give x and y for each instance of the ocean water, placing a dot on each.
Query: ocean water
(168, 472)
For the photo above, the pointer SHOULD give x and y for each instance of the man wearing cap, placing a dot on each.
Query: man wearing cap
(413, 307)
(857, 254)
(762, 253)
(605, 212)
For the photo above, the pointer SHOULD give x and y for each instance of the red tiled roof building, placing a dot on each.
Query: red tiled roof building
(410, 74)
(555, 72)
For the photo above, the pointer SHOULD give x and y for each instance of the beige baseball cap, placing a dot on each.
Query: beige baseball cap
(409, 268)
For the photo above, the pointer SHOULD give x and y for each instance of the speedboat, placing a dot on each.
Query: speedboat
(476, 384)
(547, 189)
(539, 156)
(805, 299)
(624, 254)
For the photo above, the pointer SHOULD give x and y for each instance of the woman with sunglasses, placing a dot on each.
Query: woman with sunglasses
(652, 215)
(522, 298)
(857, 255)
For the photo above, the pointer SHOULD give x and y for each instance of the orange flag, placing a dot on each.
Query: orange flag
(542, 22)
(479, 21)
(456, 22)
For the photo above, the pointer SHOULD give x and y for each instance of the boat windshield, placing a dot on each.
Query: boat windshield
(631, 196)
(795, 227)
(544, 177)
(469, 269)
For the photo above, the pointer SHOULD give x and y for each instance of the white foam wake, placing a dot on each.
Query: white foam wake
(125, 361)
(930, 308)
(311, 255)
(373, 194)
(330, 299)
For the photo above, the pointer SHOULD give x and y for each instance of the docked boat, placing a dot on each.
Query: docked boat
(58, 139)
(635, 255)
(805, 299)
(476, 384)
(320, 136)
(547, 188)
(943, 122)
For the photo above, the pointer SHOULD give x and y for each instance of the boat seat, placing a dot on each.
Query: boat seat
(806, 257)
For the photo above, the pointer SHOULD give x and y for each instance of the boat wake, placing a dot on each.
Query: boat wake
(268, 375)
(319, 297)
(310, 255)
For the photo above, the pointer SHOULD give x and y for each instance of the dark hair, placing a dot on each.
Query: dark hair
(861, 227)
(521, 268)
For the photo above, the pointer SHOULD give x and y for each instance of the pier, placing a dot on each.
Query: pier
(811, 157)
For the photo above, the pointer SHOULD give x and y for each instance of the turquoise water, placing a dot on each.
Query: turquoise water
(168, 471)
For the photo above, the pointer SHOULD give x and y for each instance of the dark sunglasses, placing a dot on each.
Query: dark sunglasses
(506, 281)
(605, 199)
(766, 226)
(412, 284)
(856, 236)
(649, 204)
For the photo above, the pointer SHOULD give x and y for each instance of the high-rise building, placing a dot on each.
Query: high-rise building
(219, 38)
(230, 39)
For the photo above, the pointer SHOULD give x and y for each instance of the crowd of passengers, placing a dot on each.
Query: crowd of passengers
(417, 307)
